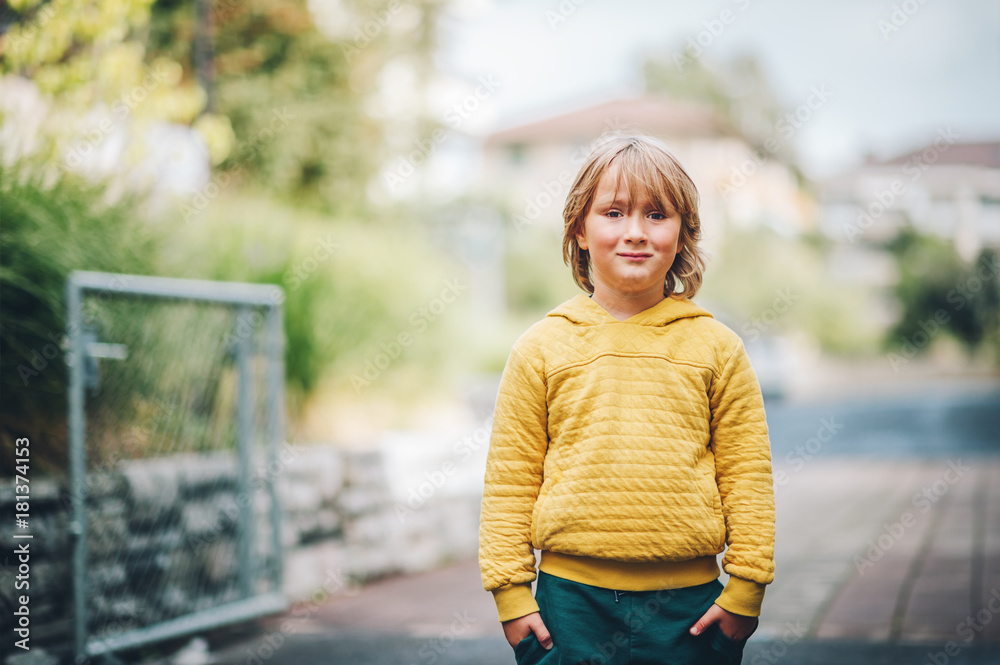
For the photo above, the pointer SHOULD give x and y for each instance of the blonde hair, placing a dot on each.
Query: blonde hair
(645, 166)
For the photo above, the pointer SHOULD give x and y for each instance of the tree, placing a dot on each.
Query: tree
(93, 83)
(940, 293)
(296, 96)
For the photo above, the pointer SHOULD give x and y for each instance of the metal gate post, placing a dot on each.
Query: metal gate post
(77, 466)
(244, 445)
(276, 393)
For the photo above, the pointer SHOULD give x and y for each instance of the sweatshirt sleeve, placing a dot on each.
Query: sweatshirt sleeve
(743, 473)
(514, 465)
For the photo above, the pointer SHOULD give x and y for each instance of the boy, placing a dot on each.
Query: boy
(629, 443)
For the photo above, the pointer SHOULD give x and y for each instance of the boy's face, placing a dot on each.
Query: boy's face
(630, 250)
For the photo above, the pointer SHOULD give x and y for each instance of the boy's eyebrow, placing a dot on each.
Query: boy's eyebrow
(617, 201)
(621, 201)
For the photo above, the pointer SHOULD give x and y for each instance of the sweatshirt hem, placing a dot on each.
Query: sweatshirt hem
(627, 575)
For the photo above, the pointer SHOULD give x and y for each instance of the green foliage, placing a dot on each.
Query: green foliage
(289, 105)
(349, 289)
(937, 288)
(537, 278)
(348, 286)
(46, 233)
(770, 283)
(87, 59)
(291, 120)
(272, 64)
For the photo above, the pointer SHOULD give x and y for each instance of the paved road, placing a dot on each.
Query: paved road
(888, 551)
(931, 425)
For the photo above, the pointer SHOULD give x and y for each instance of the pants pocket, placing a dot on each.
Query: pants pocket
(530, 651)
(726, 650)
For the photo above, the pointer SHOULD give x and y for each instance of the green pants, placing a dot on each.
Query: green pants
(595, 626)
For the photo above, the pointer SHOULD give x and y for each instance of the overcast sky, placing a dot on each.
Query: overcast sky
(898, 70)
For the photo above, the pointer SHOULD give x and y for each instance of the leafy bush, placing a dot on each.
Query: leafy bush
(768, 283)
(939, 292)
(46, 233)
(348, 285)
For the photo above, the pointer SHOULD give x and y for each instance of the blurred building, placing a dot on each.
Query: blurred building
(946, 188)
(530, 166)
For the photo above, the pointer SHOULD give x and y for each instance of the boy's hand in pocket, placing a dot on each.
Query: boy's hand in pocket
(734, 626)
(517, 629)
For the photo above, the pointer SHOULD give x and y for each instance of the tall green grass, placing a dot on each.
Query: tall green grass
(45, 233)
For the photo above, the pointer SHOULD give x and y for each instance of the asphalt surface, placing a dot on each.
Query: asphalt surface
(930, 425)
(888, 551)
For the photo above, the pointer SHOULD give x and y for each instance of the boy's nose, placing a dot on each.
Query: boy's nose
(634, 229)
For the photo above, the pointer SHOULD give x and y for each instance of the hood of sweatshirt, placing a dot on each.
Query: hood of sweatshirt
(582, 310)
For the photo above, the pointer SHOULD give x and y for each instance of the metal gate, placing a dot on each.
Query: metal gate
(176, 426)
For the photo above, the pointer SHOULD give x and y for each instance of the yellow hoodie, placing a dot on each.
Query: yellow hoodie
(631, 453)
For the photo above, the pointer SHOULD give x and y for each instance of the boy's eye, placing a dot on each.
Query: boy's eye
(657, 215)
(614, 214)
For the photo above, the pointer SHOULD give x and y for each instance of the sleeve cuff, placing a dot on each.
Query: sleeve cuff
(514, 600)
(742, 597)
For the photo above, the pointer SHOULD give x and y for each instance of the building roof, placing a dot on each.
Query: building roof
(651, 115)
(942, 171)
(984, 153)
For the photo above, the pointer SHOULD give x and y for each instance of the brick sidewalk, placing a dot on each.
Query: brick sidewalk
(888, 551)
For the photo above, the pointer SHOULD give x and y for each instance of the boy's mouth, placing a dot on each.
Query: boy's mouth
(635, 256)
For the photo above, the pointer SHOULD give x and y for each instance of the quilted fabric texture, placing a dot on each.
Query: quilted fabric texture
(636, 441)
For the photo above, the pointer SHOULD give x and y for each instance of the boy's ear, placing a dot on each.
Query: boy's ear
(581, 240)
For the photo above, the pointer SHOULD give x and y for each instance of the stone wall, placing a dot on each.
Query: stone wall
(163, 536)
